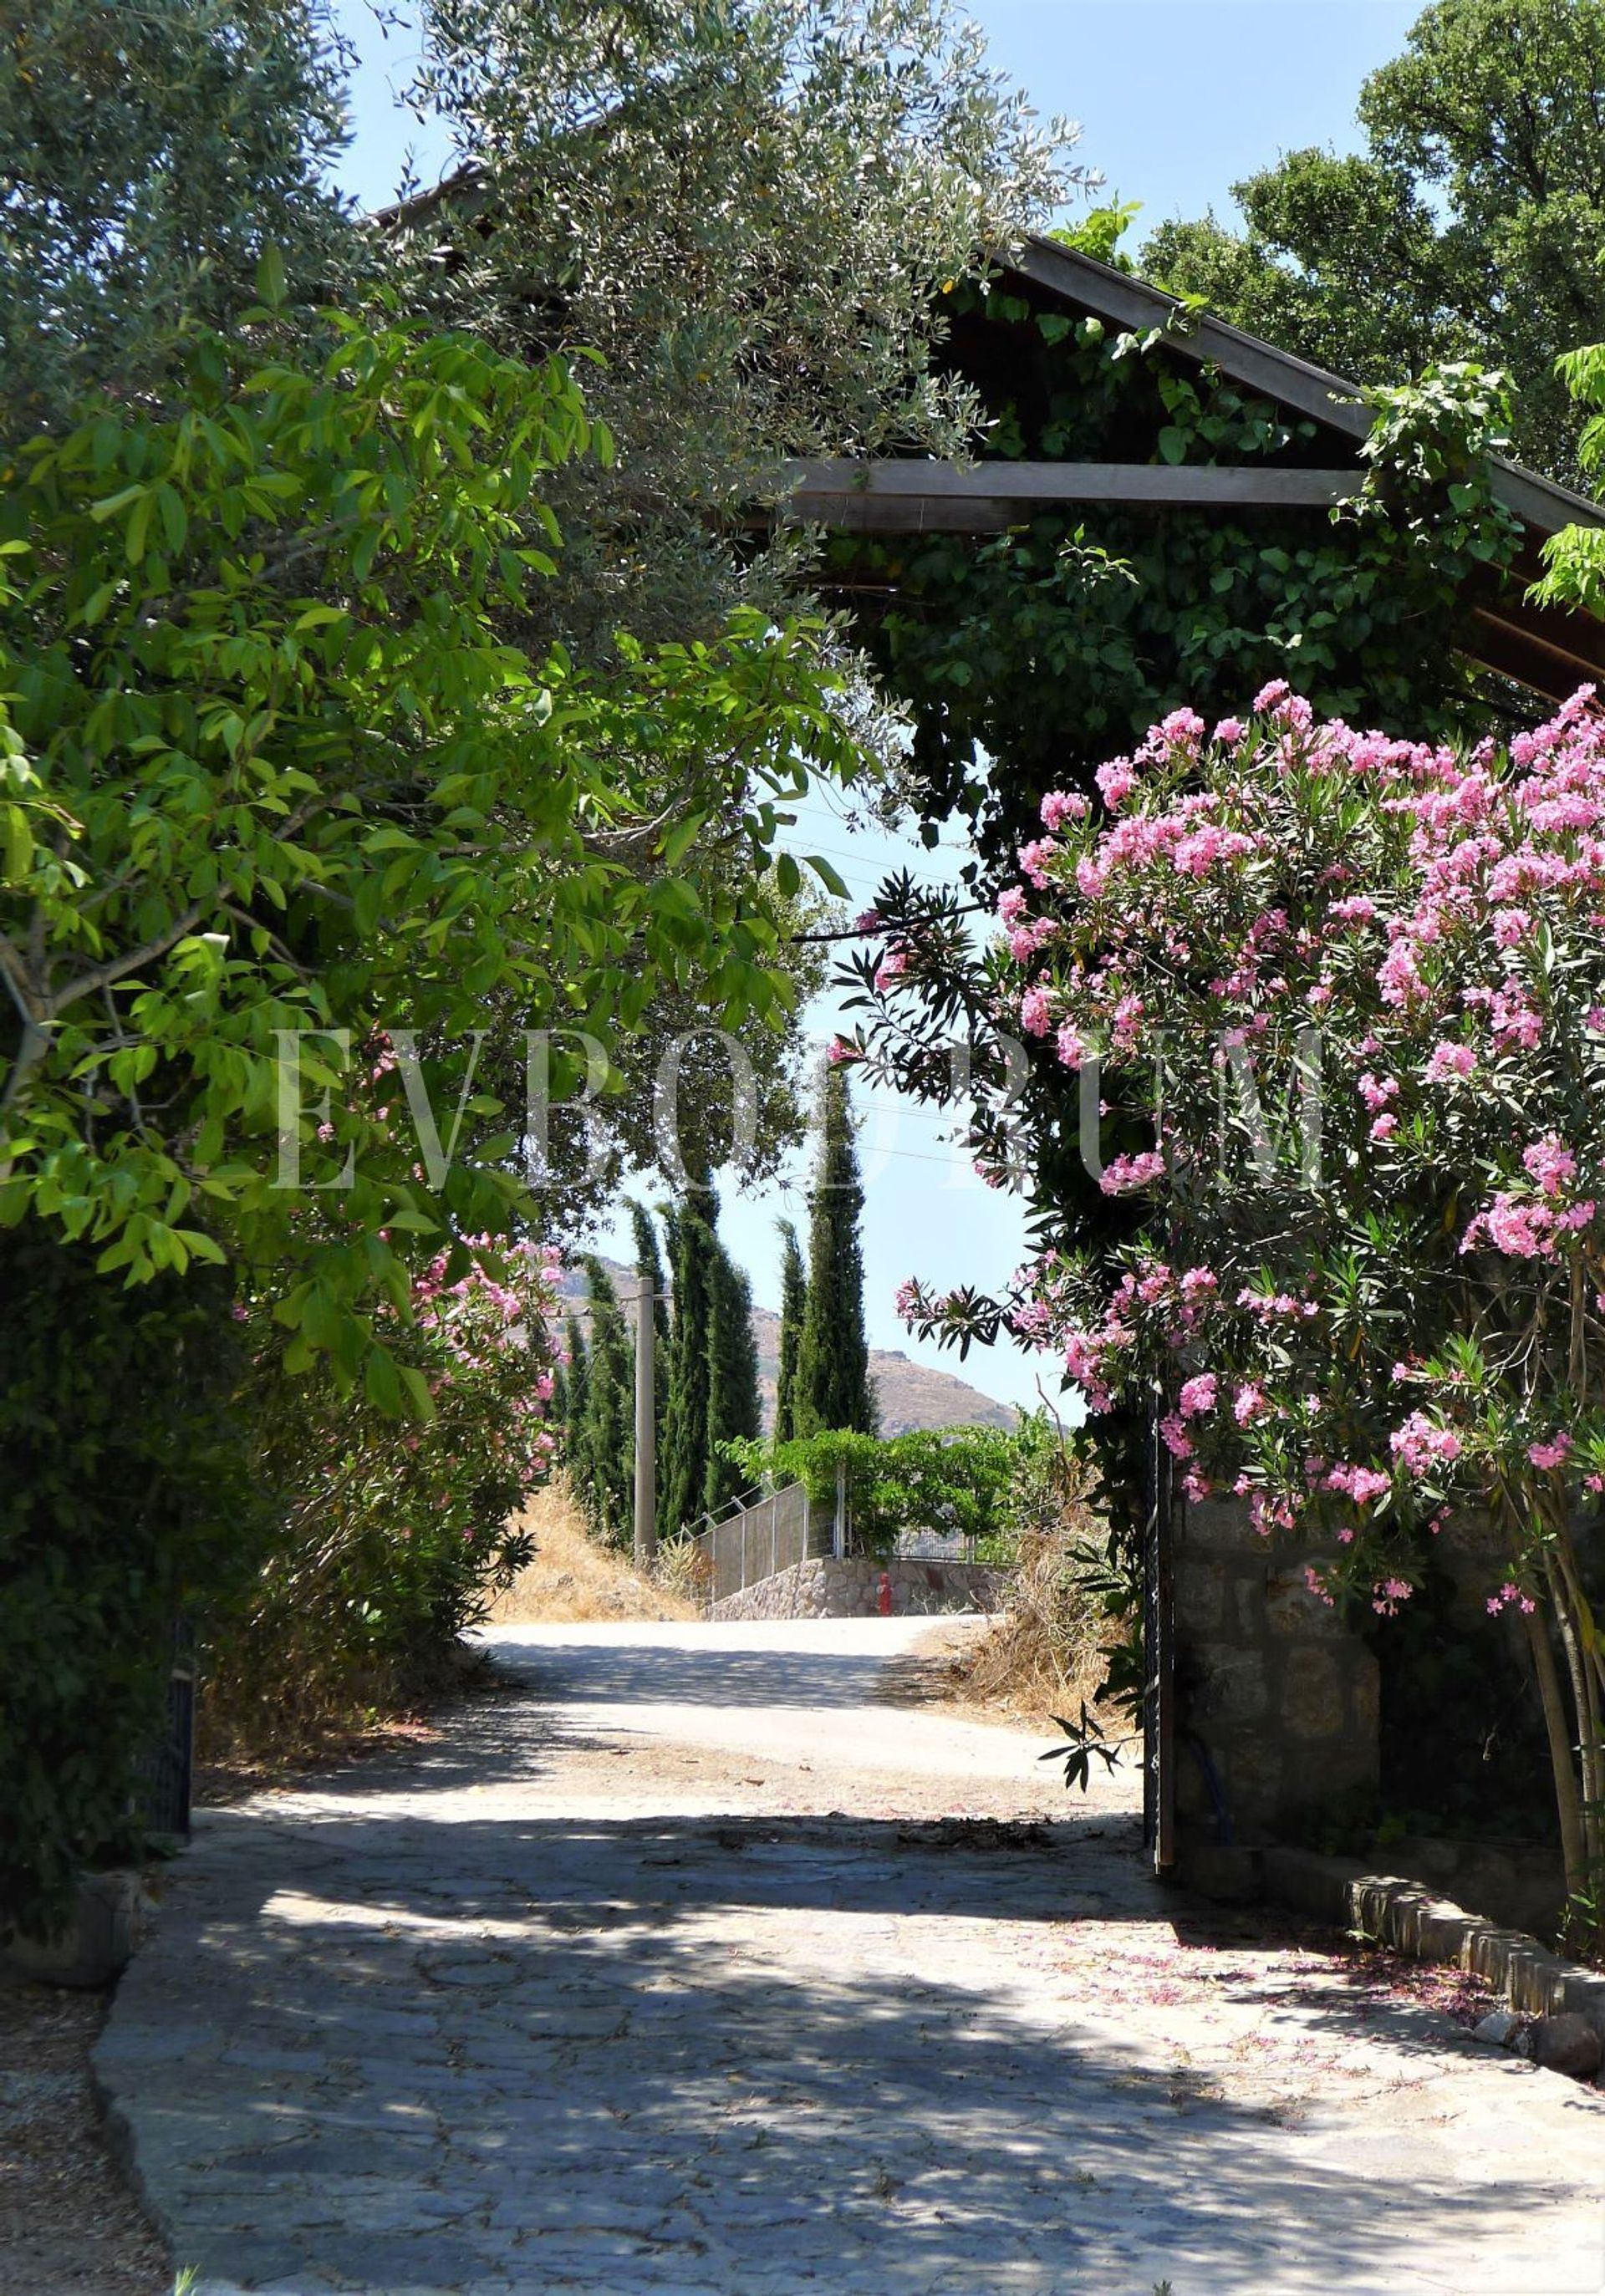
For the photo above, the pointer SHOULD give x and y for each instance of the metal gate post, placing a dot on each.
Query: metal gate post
(1158, 1650)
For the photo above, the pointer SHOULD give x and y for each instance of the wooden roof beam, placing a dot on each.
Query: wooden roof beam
(861, 496)
(1333, 400)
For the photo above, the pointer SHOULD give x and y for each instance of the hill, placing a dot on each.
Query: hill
(910, 1395)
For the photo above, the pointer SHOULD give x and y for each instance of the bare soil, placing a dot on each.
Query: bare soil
(68, 2224)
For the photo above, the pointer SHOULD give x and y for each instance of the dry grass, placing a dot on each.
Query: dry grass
(574, 1577)
(1046, 1651)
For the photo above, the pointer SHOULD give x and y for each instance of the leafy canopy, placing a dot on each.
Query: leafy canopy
(150, 151)
(1470, 226)
(269, 764)
(749, 208)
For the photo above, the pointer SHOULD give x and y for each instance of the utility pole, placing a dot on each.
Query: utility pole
(645, 1427)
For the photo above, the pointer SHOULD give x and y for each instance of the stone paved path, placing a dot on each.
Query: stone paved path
(667, 1971)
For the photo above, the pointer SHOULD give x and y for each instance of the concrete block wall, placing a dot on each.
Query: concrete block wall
(1276, 1702)
(824, 1587)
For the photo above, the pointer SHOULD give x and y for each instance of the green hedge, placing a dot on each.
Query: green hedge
(124, 1501)
(952, 1479)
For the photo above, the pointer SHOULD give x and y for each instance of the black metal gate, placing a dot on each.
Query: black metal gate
(1158, 1651)
(166, 1773)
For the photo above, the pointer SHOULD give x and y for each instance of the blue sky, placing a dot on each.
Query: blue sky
(1177, 100)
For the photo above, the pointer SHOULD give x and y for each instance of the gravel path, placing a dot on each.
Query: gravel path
(688, 1965)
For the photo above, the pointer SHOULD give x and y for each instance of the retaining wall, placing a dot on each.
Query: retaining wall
(1276, 1704)
(824, 1587)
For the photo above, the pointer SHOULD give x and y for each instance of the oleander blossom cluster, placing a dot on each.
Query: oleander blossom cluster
(1345, 997)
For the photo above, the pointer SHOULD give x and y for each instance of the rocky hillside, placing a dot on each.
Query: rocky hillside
(910, 1394)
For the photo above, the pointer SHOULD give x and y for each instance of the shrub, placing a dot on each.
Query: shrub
(392, 1538)
(1393, 1304)
(953, 1480)
(125, 1501)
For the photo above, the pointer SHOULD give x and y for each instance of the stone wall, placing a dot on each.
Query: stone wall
(1276, 1702)
(827, 1588)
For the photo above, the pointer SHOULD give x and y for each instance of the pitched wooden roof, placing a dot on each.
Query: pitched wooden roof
(1549, 650)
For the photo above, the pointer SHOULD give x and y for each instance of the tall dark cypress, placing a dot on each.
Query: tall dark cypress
(683, 1477)
(609, 1435)
(733, 1403)
(649, 1264)
(794, 1306)
(832, 1369)
(576, 1453)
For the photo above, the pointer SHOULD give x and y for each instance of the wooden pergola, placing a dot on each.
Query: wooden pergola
(1550, 651)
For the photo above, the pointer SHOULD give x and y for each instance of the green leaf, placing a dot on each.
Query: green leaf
(18, 844)
(138, 528)
(829, 877)
(270, 284)
(680, 839)
(381, 1383)
(422, 1404)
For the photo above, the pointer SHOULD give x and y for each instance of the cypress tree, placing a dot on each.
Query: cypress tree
(733, 1405)
(794, 1305)
(683, 1477)
(576, 1387)
(833, 1368)
(649, 1264)
(609, 1416)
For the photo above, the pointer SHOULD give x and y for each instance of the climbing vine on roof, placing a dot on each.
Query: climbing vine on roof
(1052, 645)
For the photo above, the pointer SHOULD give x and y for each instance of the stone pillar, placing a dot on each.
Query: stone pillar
(1276, 1702)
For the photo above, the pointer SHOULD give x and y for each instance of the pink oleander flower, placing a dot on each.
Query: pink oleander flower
(891, 968)
(1552, 1454)
(1127, 1172)
(1550, 1164)
(1388, 1594)
(1418, 1442)
(1071, 1047)
(1376, 1092)
(1034, 860)
(908, 1300)
(1449, 1060)
(868, 921)
(1249, 1403)
(1116, 781)
(1060, 806)
(1384, 1128)
(1270, 695)
(1198, 1395)
(1316, 1585)
(839, 1050)
(1183, 729)
(1036, 1010)
(1363, 1484)
(1174, 1435)
(1520, 1229)
(1229, 732)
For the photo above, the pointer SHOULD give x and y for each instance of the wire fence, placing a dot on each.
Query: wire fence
(772, 1532)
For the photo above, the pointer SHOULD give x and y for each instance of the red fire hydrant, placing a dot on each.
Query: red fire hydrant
(883, 1601)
